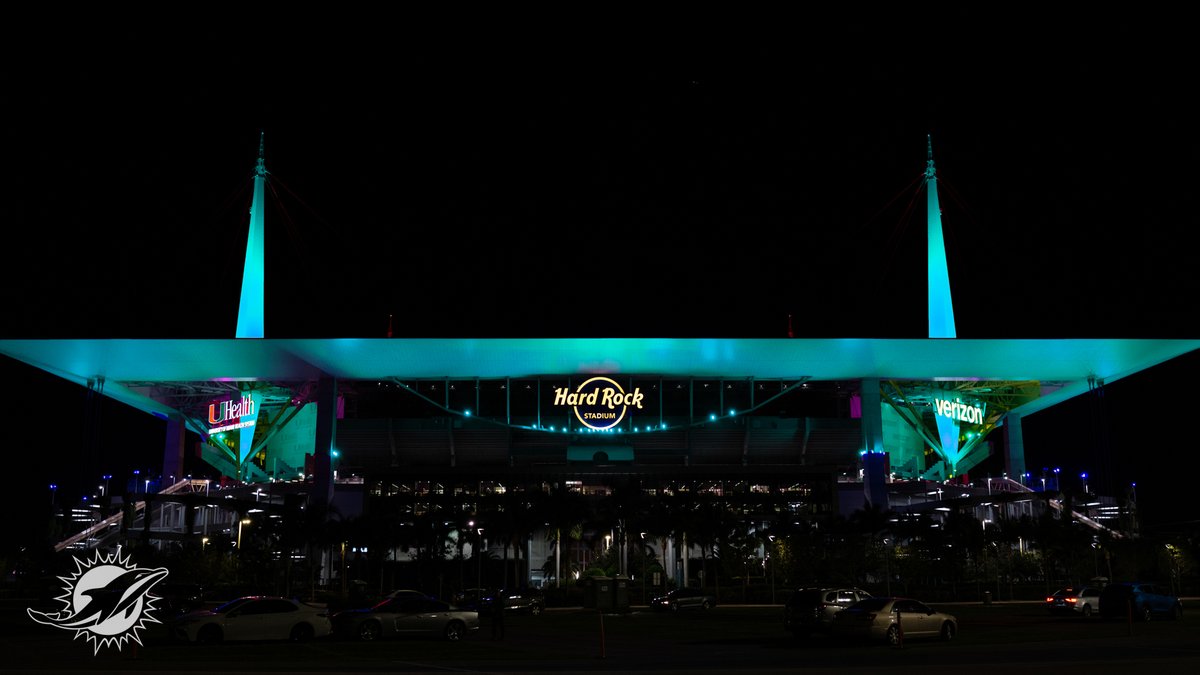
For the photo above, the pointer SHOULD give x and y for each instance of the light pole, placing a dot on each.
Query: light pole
(1083, 476)
(771, 560)
(53, 489)
(479, 572)
(643, 568)
(106, 477)
(243, 521)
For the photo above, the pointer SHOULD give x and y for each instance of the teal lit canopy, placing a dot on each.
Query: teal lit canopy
(129, 366)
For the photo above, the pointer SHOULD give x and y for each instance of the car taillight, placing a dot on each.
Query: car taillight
(1049, 599)
(1072, 599)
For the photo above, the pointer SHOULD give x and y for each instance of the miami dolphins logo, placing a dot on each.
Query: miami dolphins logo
(106, 601)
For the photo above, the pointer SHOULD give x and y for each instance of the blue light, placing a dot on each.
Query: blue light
(467, 413)
(551, 427)
(712, 416)
(732, 412)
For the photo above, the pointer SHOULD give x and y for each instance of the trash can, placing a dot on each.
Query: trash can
(987, 597)
(620, 584)
(603, 592)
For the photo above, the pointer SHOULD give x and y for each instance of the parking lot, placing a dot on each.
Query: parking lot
(998, 637)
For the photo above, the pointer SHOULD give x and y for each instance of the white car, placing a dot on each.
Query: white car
(255, 617)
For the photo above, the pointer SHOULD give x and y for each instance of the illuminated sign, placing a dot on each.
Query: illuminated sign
(959, 411)
(599, 403)
(228, 415)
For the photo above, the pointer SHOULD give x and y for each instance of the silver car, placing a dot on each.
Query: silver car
(406, 615)
(893, 620)
(1076, 601)
(812, 609)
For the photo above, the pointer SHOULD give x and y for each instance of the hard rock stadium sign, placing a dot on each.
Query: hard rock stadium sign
(599, 402)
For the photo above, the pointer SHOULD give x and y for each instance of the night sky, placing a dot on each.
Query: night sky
(519, 185)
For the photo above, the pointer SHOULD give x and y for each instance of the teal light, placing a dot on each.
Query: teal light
(941, 306)
(250, 309)
(335, 453)
(467, 413)
(712, 416)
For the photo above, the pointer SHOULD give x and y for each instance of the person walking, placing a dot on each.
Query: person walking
(497, 610)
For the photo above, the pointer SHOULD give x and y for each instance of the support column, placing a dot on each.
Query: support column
(686, 553)
(874, 456)
(173, 449)
(1014, 446)
(322, 489)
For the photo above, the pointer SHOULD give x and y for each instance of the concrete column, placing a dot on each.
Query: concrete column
(173, 450)
(874, 459)
(322, 490)
(685, 550)
(1014, 446)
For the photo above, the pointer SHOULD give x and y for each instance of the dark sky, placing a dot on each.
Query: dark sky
(690, 183)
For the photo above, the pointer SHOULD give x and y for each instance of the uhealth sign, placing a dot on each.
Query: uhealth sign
(236, 414)
(599, 403)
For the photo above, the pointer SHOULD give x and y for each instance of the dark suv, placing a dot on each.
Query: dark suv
(811, 610)
(528, 600)
(1139, 600)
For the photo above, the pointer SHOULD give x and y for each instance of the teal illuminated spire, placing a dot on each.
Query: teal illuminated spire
(250, 310)
(941, 306)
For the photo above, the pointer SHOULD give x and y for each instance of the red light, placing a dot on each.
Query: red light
(1049, 599)
(1072, 599)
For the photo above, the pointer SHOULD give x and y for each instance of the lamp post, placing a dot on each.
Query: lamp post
(243, 521)
(771, 560)
(106, 477)
(643, 568)
(53, 489)
(1083, 477)
(479, 569)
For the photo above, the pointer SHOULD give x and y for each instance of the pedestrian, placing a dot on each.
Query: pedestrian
(497, 610)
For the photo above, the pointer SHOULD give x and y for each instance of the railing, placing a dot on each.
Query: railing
(187, 484)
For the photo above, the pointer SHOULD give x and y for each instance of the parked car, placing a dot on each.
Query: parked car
(477, 599)
(407, 592)
(406, 615)
(894, 620)
(179, 599)
(684, 598)
(812, 609)
(254, 617)
(524, 600)
(1077, 601)
(1140, 600)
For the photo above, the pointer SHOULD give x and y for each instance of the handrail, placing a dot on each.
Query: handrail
(117, 517)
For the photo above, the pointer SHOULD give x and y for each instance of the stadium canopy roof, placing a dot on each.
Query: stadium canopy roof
(1065, 367)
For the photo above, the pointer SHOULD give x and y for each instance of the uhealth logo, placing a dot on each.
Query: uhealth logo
(106, 601)
(599, 403)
